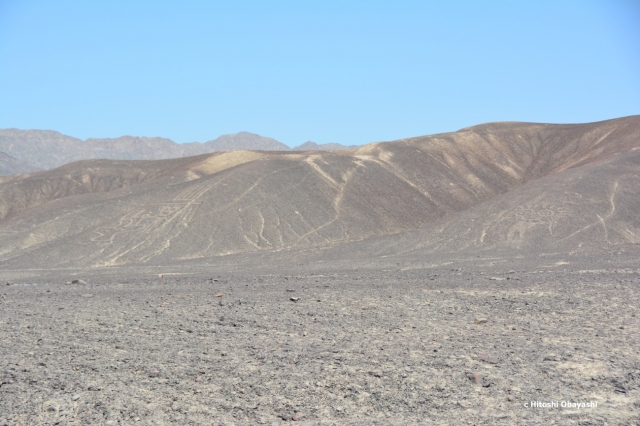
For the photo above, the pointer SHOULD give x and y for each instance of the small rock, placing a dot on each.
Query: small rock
(481, 320)
(77, 282)
(294, 299)
(297, 416)
(476, 378)
(219, 295)
(488, 358)
(160, 276)
(198, 379)
(87, 295)
(549, 358)
(290, 290)
(75, 397)
(510, 398)
(497, 279)
(154, 373)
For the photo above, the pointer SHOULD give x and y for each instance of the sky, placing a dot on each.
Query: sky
(343, 71)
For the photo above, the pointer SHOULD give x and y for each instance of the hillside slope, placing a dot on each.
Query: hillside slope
(249, 201)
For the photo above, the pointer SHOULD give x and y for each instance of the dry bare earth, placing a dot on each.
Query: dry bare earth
(386, 348)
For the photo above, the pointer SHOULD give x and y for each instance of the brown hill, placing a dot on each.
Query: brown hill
(246, 201)
(579, 211)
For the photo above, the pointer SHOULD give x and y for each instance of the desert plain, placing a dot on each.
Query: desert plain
(487, 276)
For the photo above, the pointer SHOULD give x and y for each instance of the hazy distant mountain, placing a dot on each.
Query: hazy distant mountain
(522, 187)
(31, 150)
(42, 149)
(10, 166)
(245, 140)
(312, 146)
(140, 148)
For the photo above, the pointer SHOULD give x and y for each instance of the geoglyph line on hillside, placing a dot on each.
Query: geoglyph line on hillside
(336, 202)
(150, 222)
(394, 171)
(600, 219)
(159, 223)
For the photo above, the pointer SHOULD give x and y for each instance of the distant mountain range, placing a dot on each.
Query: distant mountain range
(27, 151)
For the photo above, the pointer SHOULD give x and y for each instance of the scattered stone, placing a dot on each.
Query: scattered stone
(219, 295)
(75, 397)
(154, 373)
(297, 416)
(77, 282)
(497, 279)
(294, 299)
(198, 379)
(510, 398)
(87, 295)
(160, 276)
(481, 320)
(290, 290)
(549, 358)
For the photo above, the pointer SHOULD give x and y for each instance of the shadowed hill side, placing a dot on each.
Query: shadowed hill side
(22, 192)
(249, 201)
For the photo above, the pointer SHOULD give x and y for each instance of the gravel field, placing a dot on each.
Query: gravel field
(351, 348)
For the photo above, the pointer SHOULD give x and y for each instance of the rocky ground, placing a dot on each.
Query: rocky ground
(434, 346)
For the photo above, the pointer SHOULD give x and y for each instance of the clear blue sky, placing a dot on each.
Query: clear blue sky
(328, 71)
